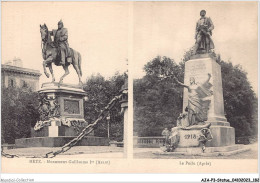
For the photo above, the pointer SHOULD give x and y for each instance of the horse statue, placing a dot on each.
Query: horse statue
(50, 54)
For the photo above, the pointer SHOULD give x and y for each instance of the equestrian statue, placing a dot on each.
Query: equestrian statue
(59, 52)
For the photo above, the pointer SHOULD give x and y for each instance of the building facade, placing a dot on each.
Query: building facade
(15, 75)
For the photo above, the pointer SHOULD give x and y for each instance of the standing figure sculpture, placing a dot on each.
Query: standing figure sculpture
(203, 34)
(57, 51)
(198, 101)
(61, 42)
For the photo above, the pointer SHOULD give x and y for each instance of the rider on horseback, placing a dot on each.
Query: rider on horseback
(50, 52)
(61, 41)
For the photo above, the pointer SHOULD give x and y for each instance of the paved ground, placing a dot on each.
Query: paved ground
(96, 155)
(143, 153)
(77, 151)
(117, 152)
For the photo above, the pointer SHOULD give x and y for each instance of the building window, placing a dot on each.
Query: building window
(11, 82)
(24, 84)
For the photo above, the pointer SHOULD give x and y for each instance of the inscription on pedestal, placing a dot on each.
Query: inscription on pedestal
(196, 70)
(71, 106)
(189, 138)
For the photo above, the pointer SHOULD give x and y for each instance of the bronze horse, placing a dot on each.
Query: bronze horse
(50, 54)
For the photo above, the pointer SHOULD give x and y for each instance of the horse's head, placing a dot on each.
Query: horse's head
(44, 32)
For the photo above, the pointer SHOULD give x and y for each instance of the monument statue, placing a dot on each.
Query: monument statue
(58, 52)
(198, 101)
(203, 116)
(203, 34)
(61, 42)
(192, 120)
(61, 105)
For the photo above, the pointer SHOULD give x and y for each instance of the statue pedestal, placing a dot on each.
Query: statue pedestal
(62, 115)
(189, 138)
(66, 105)
(199, 67)
(222, 136)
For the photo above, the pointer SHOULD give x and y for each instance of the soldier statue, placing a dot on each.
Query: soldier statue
(61, 41)
(203, 34)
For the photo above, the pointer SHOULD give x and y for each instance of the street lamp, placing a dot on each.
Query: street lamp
(108, 120)
(85, 99)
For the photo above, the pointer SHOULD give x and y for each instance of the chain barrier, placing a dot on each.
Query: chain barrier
(87, 130)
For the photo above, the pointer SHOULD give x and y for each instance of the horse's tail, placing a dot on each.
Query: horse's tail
(79, 62)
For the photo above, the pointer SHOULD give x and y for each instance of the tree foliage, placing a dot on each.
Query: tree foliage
(19, 113)
(158, 102)
(239, 99)
(99, 92)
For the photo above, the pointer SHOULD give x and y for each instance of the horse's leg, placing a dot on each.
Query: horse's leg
(76, 66)
(65, 67)
(45, 62)
(44, 69)
(51, 70)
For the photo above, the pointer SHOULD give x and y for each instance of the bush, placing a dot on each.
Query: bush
(19, 113)
(99, 92)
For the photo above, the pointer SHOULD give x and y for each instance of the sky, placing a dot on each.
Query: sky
(99, 31)
(168, 29)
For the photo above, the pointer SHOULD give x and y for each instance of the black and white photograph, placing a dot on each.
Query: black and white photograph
(64, 79)
(93, 89)
(195, 80)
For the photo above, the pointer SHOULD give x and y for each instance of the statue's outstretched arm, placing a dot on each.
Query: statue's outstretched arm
(181, 84)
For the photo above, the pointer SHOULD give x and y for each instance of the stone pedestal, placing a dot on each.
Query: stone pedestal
(199, 67)
(66, 105)
(222, 136)
(189, 138)
(61, 118)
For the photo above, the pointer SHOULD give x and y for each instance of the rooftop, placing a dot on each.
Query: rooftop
(22, 70)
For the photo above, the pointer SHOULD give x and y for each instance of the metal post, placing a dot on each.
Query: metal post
(124, 108)
(108, 122)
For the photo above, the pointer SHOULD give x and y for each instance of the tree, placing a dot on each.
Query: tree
(240, 101)
(19, 113)
(157, 102)
(99, 92)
